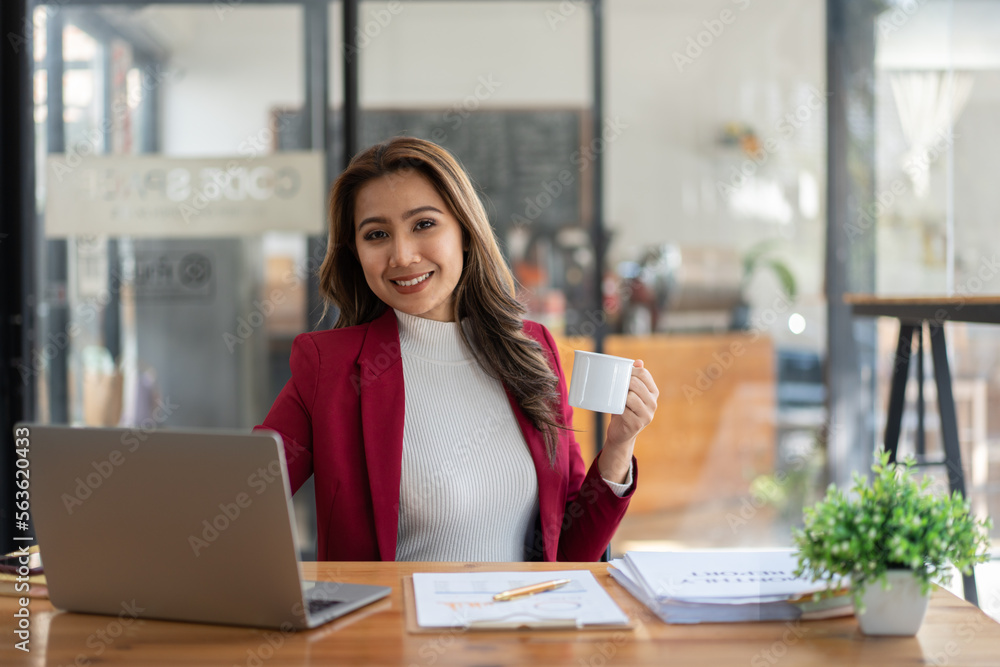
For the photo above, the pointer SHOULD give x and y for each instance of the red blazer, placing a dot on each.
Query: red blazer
(341, 417)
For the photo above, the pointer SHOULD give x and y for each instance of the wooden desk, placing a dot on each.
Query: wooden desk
(954, 633)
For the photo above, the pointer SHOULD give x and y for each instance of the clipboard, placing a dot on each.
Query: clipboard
(412, 627)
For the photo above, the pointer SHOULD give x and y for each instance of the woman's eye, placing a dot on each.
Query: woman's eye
(374, 235)
(425, 224)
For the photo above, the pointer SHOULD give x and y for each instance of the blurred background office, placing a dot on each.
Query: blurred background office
(659, 174)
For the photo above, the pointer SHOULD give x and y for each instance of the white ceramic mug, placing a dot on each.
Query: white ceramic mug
(599, 382)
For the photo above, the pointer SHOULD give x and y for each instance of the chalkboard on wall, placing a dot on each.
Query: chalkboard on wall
(530, 165)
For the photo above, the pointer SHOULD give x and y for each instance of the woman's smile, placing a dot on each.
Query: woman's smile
(409, 285)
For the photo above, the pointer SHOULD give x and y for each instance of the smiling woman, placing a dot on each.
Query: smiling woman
(435, 416)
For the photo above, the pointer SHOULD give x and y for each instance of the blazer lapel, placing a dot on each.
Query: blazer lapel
(382, 410)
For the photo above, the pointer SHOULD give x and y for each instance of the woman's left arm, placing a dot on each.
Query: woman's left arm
(616, 455)
(591, 509)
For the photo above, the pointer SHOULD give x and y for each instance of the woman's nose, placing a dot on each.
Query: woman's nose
(404, 252)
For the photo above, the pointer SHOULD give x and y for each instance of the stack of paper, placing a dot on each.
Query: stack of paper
(21, 574)
(724, 586)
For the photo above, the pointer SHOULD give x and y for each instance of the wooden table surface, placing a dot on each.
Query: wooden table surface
(963, 308)
(954, 633)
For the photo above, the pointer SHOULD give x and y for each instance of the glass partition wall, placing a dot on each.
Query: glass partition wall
(174, 254)
(146, 287)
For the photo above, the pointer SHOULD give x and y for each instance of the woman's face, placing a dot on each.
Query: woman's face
(409, 244)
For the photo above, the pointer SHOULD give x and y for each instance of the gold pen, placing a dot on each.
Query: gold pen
(530, 590)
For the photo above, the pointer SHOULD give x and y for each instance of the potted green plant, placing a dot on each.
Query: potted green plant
(762, 256)
(893, 531)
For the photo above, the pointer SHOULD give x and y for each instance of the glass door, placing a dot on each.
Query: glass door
(174, 227)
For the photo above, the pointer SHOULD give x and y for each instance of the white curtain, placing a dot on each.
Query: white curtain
(929, 104)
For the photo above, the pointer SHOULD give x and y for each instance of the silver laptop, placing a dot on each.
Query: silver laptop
(179, 525)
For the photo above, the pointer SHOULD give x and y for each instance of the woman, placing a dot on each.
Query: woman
(433, 416)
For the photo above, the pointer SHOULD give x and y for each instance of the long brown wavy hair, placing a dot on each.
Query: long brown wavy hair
(485, 290)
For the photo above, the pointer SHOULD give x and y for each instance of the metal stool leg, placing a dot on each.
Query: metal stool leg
(949, 431)
(921, 445)
(897, 393)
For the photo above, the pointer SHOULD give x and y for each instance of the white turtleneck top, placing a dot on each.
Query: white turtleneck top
(468, 490)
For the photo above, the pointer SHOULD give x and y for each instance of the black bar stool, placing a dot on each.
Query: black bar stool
(946, 408)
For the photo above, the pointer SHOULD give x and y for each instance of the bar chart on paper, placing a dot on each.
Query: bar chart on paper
(465, 599)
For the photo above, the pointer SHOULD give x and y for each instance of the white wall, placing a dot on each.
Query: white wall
(229, 67)
(758, 69)
(433, 54)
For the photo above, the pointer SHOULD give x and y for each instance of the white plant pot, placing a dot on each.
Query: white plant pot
(897, 611)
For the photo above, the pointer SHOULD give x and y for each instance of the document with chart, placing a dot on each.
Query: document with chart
(466, 599)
